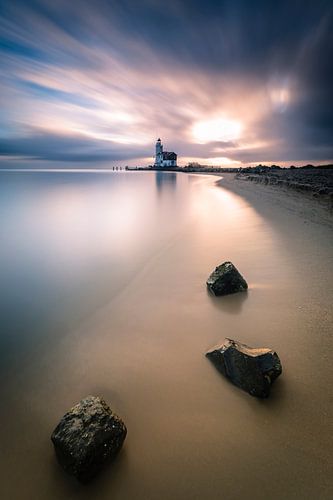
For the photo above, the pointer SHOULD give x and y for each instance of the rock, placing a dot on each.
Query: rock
(88, 436)
(226, 279)
(253, 370)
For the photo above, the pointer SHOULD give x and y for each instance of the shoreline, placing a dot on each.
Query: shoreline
(276, 202)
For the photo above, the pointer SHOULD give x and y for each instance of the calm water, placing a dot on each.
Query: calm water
(103, 292)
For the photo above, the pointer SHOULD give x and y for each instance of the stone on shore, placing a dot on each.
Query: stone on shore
(253, 370)
(226, 279)
(87, 437)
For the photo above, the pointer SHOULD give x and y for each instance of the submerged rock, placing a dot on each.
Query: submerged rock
(226, 279)
(88, 436)
(253, 370)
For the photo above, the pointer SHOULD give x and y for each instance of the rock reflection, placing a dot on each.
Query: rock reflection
(232, 304)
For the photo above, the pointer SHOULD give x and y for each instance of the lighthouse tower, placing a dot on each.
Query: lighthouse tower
(158, 153)
(164, 158)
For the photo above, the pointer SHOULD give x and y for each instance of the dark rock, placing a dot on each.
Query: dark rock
(253, 370)
(88, 436)
(226, 279)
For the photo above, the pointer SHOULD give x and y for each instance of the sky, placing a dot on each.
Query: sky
(229, 82)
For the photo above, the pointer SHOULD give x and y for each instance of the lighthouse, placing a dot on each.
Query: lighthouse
(164, 158)
(158, 153)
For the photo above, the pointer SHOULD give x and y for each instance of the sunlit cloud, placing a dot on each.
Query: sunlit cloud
(280, 98)
(214, 161)
(218, 129)
(280, 93)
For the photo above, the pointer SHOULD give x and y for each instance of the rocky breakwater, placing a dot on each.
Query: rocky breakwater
(316, 182)
(87, 437)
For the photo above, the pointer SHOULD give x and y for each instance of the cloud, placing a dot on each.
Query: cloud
(48, 146)
(102, 80)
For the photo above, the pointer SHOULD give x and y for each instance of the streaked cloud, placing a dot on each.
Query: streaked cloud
(219, 82)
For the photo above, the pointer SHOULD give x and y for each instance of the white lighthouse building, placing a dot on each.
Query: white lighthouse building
(164, 158)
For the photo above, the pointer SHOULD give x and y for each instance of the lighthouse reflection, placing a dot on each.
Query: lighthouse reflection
(165, 180)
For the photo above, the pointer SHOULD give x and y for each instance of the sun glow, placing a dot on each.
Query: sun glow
(218, 129)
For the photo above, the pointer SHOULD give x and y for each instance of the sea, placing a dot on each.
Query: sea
(103, 293)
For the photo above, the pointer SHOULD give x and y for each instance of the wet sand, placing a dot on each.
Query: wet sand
(191, 434)
(275, 201)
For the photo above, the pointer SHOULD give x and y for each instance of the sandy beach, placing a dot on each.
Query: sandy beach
(134, 327)
(277, 199)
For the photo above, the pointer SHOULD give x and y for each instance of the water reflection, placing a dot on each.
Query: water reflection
(165, 180)
(231, 304)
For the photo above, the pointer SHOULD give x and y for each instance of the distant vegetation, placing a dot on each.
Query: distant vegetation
(265, 168)
(195, 167)
(258, 169)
